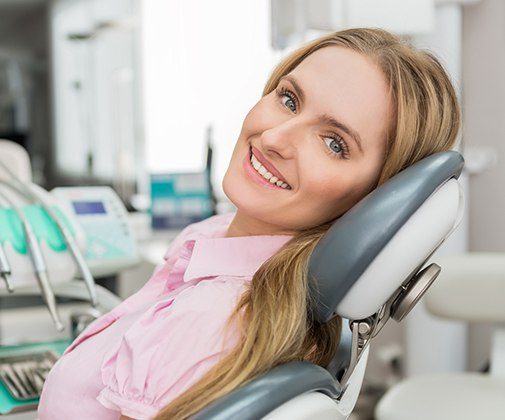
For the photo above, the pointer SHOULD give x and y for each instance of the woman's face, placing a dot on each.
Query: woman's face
(322, 132)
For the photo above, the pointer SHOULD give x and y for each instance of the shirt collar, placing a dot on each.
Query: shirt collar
(236, 256)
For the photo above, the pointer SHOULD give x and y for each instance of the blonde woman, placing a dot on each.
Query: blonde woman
(337, 118)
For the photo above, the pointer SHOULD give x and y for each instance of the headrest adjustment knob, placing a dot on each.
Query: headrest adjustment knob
(413, 291)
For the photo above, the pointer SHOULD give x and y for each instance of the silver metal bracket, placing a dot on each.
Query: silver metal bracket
(397, 307)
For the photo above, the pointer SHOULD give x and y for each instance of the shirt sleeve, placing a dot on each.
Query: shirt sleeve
(172, 345)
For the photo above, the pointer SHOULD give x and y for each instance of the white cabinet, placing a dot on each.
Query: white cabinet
(295, 21)
(95, 89)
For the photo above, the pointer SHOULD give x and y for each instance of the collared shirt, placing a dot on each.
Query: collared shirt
(153, 346)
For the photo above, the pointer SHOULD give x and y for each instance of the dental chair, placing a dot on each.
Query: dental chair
(370, 266)
(471, 288)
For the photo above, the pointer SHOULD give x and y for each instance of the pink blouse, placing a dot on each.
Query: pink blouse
(154, 345)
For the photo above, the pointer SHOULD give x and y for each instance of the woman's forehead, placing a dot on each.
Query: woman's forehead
(337, 71)
(346, 85)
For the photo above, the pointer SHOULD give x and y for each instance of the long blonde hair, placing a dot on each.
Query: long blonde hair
(274, 314)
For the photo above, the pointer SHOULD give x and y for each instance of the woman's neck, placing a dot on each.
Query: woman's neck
(244, 225)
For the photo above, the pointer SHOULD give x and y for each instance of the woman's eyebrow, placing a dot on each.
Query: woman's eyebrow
(325, 118)
(296, 86)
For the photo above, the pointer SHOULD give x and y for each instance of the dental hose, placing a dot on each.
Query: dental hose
(39, 265)
(5, 268)
(33, 194)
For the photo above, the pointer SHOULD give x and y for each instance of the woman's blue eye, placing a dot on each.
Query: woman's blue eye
(292, 107)
(291, 103)
(337, 146)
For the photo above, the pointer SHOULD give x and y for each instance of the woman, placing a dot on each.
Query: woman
(338, 117)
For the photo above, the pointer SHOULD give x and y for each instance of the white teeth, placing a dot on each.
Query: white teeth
(267, 175)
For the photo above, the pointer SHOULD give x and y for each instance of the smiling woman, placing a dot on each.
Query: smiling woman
(338, 117)
(325, 128)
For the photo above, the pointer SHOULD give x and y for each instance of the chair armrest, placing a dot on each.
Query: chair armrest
(262, 395)
(470, 287)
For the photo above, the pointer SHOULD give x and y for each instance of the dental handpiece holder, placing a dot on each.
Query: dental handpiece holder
(46, 246)
(47, 241)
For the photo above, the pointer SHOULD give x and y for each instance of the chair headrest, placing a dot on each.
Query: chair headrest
(356, 239)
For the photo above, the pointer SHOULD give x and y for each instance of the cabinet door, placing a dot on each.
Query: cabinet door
(95, 85)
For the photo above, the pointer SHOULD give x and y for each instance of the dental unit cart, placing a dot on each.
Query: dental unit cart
(104, 219)
(52, 245)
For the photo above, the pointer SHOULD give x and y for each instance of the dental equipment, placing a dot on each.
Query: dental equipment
(31, 191)
(24, 375)
(38, 262)
(101, 215)
(37, 355)
(5, 269)
(99, 223)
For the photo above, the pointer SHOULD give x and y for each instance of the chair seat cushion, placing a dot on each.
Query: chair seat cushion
(462, 396)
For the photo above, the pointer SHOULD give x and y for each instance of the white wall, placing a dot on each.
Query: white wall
(435, 345)
(484, 61)
(204, 62)
(483, 105)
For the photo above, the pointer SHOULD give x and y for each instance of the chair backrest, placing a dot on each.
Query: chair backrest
(357, 266)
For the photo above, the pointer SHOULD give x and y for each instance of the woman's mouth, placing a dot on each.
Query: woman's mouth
(261, 175)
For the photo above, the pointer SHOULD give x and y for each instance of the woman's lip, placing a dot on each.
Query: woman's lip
(257, 177)
(270, 168)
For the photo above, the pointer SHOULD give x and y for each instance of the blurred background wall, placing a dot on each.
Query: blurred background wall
(483, 63)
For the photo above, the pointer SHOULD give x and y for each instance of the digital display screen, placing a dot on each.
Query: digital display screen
(88, 207)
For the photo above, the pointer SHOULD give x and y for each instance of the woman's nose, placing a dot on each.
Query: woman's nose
(282, 138)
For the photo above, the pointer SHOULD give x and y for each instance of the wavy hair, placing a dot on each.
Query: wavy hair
(274, 314)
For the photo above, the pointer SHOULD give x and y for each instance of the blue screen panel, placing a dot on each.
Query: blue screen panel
(88, 207)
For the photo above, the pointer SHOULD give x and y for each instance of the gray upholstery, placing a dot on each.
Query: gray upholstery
(271, 390)
(356, 238)
(282, 384)
(342, 358)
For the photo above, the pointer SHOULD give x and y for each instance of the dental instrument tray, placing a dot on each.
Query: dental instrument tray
(23, 375)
